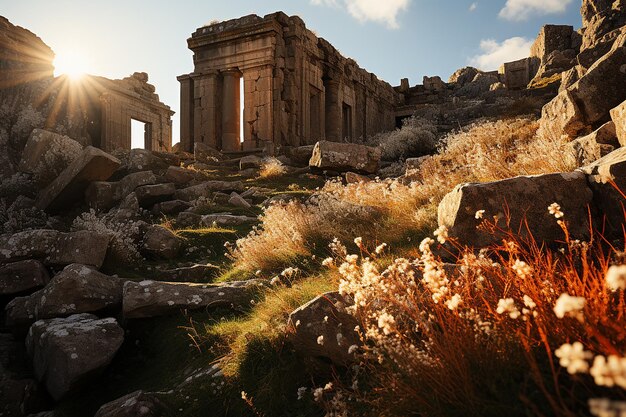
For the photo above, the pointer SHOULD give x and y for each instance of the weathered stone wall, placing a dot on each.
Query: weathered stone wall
(298, 88)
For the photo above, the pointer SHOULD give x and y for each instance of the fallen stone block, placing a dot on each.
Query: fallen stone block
(561, 118)
(46, 154)
(518, 204)
(135, 404)
(618, 114)
(55, 248)
(170, 207)
(250, 161)
(22, 276)
(206, 188)
(149, 195)
(181, 176)
(156, 298)
(160, 242)
(69, 187)
(68, 352)
(238, 201)
(205, 154)
(345, 157)
(322, 328)
(194, 273)
(76, 289)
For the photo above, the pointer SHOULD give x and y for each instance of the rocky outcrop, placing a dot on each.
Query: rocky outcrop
(519, 205)
(22, 276)
(342, 157)
(68, 352)
(586, 104)
(322, 328)
(618, 114)
(69, 187)
(603, 22)
(55, 248)
(156, 298)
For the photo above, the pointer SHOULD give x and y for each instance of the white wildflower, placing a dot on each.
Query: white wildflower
(352, 349)
(320, 340)
(507, 305)
(318, 393)
(454, 302)
(555, 210)
(385, 321)
(479, 214)
(359, 242)
(616, 278)
(609, 372)
(442, 234)
(567, 305)
(380, 248)
(328, 262)
(574, 357)
(301, 392)
(522, 269)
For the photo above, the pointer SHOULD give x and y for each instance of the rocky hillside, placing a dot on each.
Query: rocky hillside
(145, 283)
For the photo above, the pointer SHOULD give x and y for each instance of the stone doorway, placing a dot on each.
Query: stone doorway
(140, 134)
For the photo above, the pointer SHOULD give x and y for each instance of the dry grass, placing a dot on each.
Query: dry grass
(272, 168)
(482, 339)
(387, 210)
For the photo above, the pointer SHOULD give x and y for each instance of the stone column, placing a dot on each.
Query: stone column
(230, 111)
(186, 113)
(333, 111)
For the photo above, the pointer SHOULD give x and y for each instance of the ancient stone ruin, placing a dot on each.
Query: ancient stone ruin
(297, 88)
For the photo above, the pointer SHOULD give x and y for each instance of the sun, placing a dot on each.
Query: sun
(70, 64)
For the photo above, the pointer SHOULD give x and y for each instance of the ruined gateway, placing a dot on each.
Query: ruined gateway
(297, 88)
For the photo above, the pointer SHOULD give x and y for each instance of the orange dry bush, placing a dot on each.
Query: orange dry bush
(514, 330)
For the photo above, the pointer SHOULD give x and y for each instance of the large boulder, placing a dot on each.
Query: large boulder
(76, 289)
(68, 352)
(561, 118)
(206, 188)
(69, 187)
(618, 114)
(595, 145)
(22, 276)
(156, 298)
(519, 205)
(55, 248)
(135, 404)
(250, 161)
(322, 328)
(160, 242)
(343, 157)
(604, 175)
(181, 176)
(47, 154)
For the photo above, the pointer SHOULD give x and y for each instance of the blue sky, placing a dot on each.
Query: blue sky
(392, 38)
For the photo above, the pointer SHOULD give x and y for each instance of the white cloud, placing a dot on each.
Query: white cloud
(473, 7)
(523, 9)
(380, 11)
(495, 54)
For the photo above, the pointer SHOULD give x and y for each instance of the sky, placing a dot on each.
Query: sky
(394, 39)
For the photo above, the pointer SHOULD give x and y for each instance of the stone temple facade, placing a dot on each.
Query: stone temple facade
(297, 88)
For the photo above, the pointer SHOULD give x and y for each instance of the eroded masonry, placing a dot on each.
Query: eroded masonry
(296, 88)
